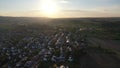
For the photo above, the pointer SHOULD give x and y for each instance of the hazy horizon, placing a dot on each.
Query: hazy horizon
(60, 8)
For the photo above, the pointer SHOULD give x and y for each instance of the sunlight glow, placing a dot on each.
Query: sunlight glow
(49, 8)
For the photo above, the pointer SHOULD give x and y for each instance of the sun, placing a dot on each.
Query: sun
(49, 8)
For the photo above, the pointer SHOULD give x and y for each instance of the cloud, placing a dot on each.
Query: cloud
(102, 11)
(64, 1)
(98, 12)
(108, 9)
(104, 0)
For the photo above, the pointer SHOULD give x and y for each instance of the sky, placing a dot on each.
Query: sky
(65, 8)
